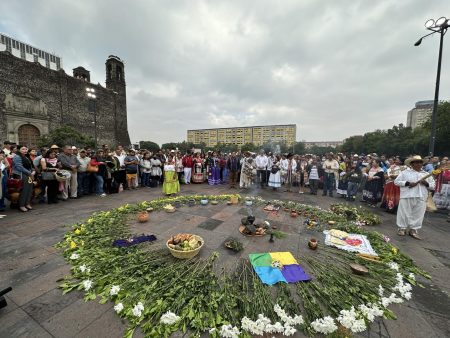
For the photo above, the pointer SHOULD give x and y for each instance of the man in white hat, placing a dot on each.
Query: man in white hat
(414, 184)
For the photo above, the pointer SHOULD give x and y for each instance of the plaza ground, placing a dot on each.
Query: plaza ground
(32, 266)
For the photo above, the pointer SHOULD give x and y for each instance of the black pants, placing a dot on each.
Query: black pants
(27, 191)
(52, 191)
(120, 177)
(313, 186)
(261, 177)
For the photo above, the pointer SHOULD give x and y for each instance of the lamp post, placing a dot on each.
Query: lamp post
(439, 26)
(92, 107)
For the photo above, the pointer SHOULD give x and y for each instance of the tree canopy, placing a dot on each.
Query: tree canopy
(66, 135)
(404, 141)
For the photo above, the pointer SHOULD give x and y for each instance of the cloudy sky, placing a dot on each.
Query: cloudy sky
(334, 68)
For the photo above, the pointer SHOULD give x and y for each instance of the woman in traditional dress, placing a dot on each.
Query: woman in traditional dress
(197, 175)
(214, 170)
(391, 194)
(171, 185)
(179, 166)
(247, 173)
(373, 189)
(275, 176)
(442, 193)
(344, 170)
(156, 171)
(289, 166)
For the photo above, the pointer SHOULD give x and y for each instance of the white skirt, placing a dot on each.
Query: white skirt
(275, 180)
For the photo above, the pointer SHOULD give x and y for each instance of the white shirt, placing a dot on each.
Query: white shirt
(261, 162)
(331, 163)
(121, 159)
(412, 176)
(285, 165)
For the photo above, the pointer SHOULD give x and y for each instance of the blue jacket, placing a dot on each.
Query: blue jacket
(18, 167)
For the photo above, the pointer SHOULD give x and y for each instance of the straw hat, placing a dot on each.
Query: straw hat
(54, 147)
(415, 158)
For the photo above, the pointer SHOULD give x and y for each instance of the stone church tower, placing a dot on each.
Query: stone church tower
(115, 80)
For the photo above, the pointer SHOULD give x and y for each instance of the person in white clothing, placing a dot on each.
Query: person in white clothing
(261, 167)
(414, 184)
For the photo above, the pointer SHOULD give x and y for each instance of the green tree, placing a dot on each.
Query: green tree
(66, 135)
(149, 145)
(442, 141)
(248, 147)
(299, 148)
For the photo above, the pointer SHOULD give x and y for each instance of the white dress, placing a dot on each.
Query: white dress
(275, 179)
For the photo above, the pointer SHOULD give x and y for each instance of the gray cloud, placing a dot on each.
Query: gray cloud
(335, 68)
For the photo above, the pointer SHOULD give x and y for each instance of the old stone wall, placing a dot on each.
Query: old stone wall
(64, 100)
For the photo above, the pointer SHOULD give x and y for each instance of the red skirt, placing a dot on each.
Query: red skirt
(391, 197)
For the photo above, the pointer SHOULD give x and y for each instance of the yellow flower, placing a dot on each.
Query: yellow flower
(77, 231)
(73, 245)
(394, 250)
(90, 220)
(82, 243)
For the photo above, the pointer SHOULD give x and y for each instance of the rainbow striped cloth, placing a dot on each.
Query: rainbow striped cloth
(274, 267)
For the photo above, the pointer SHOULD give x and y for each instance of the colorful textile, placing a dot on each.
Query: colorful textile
(134, 240)
(274, 267)
(353, 243)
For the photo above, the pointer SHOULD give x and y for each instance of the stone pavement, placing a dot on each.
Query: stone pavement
(37, 308)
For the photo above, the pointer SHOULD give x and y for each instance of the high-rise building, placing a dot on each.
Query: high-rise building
(419, 114)
(27, 52)
(257, 135)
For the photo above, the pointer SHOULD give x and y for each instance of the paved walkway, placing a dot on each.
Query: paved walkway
(30, 264)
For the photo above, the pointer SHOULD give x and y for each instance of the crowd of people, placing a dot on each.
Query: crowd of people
(55, 174)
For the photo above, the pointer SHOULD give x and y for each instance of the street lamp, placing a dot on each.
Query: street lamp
(92, 107)
(439, 26)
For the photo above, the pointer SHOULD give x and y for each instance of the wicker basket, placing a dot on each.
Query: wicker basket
(186, 254)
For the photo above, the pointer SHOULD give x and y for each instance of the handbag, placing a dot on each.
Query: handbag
(14, 185)
(91, 168)
(48, 175)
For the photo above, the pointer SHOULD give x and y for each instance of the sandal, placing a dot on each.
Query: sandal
(401, 232)
(413, 233)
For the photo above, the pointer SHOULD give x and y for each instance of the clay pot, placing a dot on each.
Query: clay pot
(312, 244)
(177, 204)
(251, 219)
(294, 213)
(143, 217)
(191, 202)
(234, 200)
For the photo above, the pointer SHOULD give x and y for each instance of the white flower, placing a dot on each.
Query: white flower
(370, 311)
(83, 268)
(74, 256)
(359, 325)
(137, 309)
(393, 266)
(118, 307)
(347, 317)
(411, 276)
(289, 330)
(169, 318)
(324, 325)
(114, 290)
(211, 331)
(380, 290)
(87, 284)
(228, 331)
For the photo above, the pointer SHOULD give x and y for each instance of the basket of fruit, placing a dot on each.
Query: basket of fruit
(185, 246)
